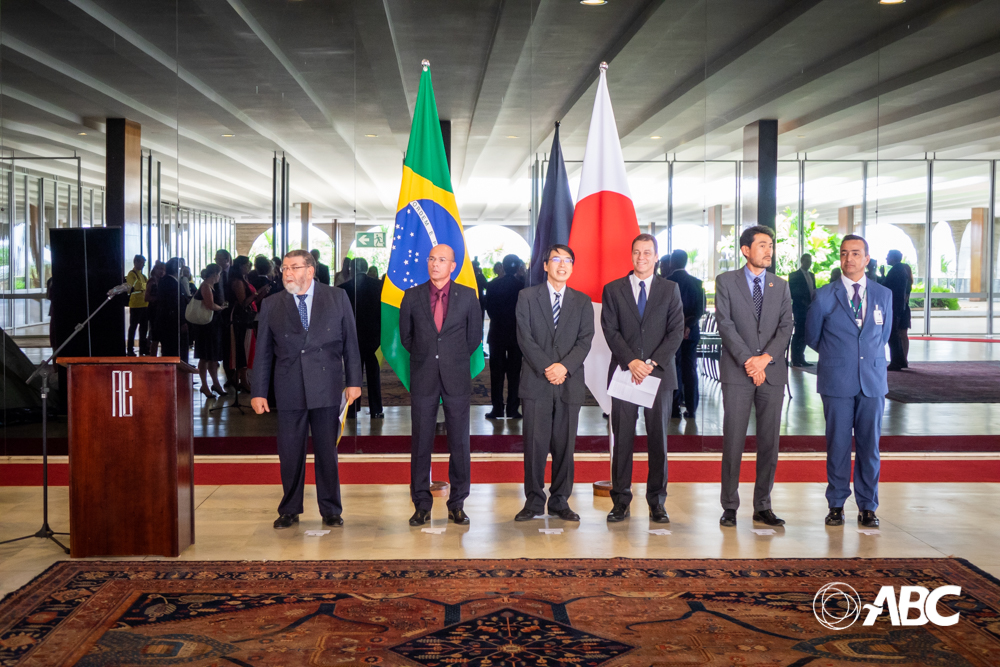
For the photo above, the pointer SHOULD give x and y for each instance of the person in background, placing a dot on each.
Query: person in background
(222, 295)
(899, 281)
(693, 298)
(138, 309)
(373, 273)
(871, 272)
(344, 274)
(365, 295)
(802, 285)
(905, 322)
(171, 326)
(152, 286)
(208, 337)
(834, 274)
(261, 274)
(498, 270)
(481, 283)
(246, 301)
(322, 270)
(848, 324)
(187, 282)
(505, 355)
(665, 268)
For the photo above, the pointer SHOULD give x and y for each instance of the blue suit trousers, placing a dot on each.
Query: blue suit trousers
(860, 416)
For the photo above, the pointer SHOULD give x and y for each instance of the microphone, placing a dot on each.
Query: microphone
(120, 289)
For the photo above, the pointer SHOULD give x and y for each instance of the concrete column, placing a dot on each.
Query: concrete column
(845, 220)
(760, 173)
(123, 182)
(715, 225)
(918, 234)
(305, 212)
(247, 233)
(978, 264)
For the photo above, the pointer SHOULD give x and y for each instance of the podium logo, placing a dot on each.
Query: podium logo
(121, 402)
(837, 606)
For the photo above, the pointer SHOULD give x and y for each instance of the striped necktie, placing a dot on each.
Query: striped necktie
(555, 310)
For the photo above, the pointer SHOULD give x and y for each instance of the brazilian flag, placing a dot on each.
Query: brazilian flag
(426, 216)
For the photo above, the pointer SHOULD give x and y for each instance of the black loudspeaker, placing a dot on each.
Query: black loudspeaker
(86, 263)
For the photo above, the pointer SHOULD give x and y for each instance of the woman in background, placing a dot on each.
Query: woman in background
(246, 301)
(152, 285)
(208, 338)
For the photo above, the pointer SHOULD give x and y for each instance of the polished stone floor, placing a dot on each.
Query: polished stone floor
(234, 523)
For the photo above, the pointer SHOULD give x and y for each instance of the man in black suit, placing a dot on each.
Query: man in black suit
(440, 325)
(899, 283)
(802, 285)
(693, 298)
(505, 355)
(643, 322)
(322, 270)
(309, 331)
(555, 326)
(171, 301)
(365, 294)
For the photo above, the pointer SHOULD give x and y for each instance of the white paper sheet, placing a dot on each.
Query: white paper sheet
(550, 531)
(869, 531)
(433, 531)
(659, 531)
(640, 394)
(317, 533)
(764, 531)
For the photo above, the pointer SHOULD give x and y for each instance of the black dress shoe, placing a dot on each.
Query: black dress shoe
(459, 516)
(332, 520)
(514, 415)
(218, 390)
(619, 513)
(767, 516)
(286, 520)
(566, 514)
(893, 367)
(835, 517)
(658, 515)
(525, 515)
(728, 518)
(494, 414)
(868, 519)
(378, 415)
(420, 517)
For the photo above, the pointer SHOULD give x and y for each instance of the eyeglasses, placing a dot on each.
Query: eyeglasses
(568, 261)
(288, 269)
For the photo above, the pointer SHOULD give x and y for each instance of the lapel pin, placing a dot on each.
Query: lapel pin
(770, 284)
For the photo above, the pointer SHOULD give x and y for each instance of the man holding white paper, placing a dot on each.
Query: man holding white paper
(643, 322)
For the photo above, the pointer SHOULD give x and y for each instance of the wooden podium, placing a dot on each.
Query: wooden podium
(131, 456)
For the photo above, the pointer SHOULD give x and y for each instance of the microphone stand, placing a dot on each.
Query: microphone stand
(44, 371)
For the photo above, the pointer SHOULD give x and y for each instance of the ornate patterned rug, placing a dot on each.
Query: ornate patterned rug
(538, 613)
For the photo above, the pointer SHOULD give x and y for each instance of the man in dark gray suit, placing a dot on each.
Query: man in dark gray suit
(643, 321)
(311, 335)
(555, 326)
(753, 308)
(440, 325)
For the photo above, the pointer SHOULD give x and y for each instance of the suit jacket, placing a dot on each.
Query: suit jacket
(897, 281)
(851, 360)
(743, 336)
(445, 354)
(802, 293)
(365, 294)
(323, 273)
(543, 344)
(310, 365)
(693, 298)
(501, 305)
(656, 335)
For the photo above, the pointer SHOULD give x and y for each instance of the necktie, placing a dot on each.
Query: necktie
(439, 311)
(642, 298)
(856, 300)
(555, 310)
(758, 296)
(303, 313)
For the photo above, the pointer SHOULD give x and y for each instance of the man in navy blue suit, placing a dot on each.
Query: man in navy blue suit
(849, 324)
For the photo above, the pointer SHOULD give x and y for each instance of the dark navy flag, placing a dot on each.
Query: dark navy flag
(555, 215)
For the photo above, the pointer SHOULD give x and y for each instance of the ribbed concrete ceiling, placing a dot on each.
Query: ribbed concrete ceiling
(313, 79)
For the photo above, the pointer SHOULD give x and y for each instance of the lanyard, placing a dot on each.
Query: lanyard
(861, 302)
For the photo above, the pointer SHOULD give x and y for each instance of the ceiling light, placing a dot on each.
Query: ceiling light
(512, 136)
(801, 136)
(656, 136)
(371, 135)
(593, 2)
(81, 134)
(891, 2)
(229, 135)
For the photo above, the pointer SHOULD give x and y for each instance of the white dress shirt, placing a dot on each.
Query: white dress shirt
(635, 286)
(863, 291)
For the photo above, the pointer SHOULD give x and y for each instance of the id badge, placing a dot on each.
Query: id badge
(859, 322)
(878, 316)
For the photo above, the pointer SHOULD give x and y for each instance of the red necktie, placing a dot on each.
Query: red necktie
(439, 311)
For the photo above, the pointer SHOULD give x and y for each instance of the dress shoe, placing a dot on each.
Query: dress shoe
(420, 517)
(566, 514)
(868, 519)
(803, 364)
(619, 513)
(835, 517)
(378, 415)
(525, 515)
(658, 515)
(206, 393)
(514, 415)
(459, 516)
(286, 520)
(728, 518)
(893, 367)
(218, 390)
(688, 415)
(332, 520)
(768, 517)
(494, 414)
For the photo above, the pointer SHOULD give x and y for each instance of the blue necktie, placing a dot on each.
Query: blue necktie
(642, 298)
(555, 310)
(303, 313)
